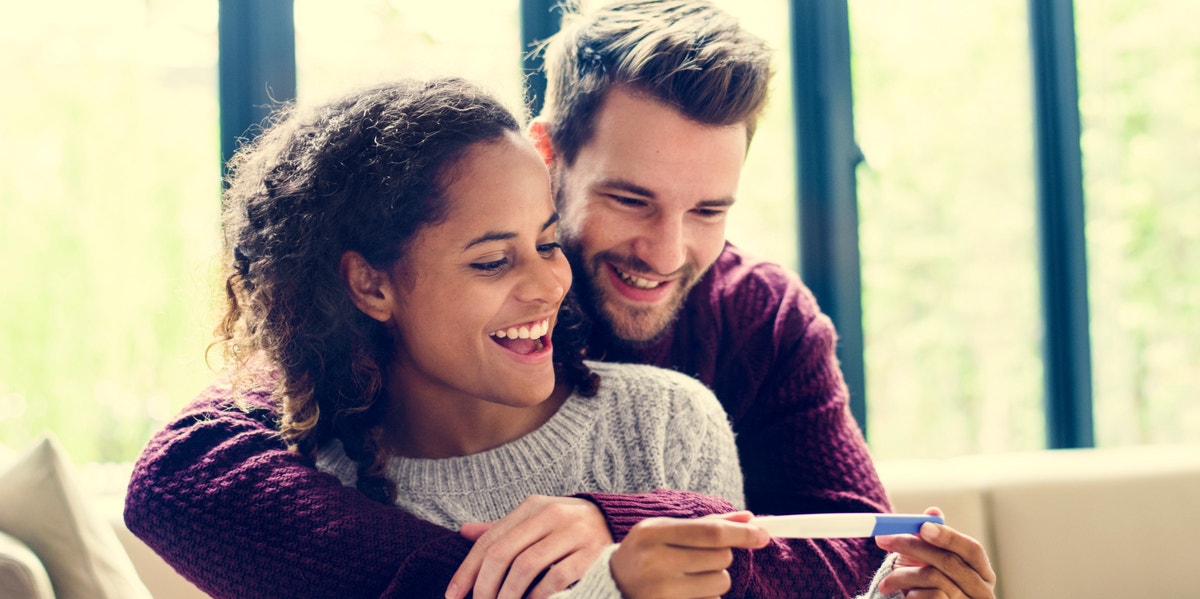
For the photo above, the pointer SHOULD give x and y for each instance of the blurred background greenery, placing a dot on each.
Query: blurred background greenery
(109, 199)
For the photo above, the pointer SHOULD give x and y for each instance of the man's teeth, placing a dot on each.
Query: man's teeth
(638, 282)
(535, 331)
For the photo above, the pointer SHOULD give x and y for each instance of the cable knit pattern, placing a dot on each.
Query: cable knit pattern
(635, 435)
(222, 500)
(631, 437)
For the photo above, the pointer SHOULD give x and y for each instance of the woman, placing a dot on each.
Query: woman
(395, 271)
(395, 285)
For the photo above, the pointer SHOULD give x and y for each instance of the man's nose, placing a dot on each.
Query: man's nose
(662, 245)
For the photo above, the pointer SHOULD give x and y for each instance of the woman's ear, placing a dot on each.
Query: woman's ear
(539, 134)
(370, 288)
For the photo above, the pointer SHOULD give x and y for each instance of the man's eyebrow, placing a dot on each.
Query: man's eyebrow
(724, 202)
(505, 235)
(638, 190)
(626, 186)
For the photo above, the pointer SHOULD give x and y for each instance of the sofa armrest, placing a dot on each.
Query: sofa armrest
(1116, 522)
(22, 575)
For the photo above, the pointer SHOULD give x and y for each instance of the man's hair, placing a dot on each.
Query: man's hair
(687, 54)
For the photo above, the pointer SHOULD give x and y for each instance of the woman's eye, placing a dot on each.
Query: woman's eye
(547, 250)
(492, 266)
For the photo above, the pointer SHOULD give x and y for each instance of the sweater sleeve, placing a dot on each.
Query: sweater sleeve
(775, 370)
(597, 582)
(889, 564)
(801, 450)
(221, 499)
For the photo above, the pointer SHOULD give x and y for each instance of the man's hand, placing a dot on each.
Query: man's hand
(940, 562)
(682, 558)
(560, 536)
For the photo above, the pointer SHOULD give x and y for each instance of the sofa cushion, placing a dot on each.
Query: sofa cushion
(954, 485)
(1098, 523)
(41, 505)
(1112, 522)
(22, 575)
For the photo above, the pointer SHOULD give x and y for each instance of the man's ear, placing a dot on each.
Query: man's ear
(539, 134)
(370, 289)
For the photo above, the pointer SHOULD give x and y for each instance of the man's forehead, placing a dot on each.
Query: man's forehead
(623, 104)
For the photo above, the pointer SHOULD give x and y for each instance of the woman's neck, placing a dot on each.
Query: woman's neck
(436, 426)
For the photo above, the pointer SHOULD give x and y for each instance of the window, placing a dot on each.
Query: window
(344, 44)
(111, 194)
(764, 221)
(1139, 79)
(109, 122)
(946, 219)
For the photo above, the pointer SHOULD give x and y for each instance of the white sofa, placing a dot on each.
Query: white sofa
(1070, 523)
(1057, 524)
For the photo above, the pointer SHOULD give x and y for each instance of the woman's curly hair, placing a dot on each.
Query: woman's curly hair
(365, 173)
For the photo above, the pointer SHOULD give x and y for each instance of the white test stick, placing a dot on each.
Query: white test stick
(835, 526)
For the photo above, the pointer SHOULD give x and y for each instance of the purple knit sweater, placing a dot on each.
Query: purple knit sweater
(218, 496)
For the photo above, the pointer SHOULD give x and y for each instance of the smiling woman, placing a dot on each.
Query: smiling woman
(489, 268)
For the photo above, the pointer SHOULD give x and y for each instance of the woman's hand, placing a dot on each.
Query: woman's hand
(682, 558)
(940, 562)
(558, 536)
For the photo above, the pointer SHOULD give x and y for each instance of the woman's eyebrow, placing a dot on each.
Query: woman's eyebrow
(504, 235)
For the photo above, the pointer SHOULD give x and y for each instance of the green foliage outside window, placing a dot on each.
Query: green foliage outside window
(110, 196)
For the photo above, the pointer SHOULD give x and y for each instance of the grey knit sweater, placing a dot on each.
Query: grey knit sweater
(646, 428)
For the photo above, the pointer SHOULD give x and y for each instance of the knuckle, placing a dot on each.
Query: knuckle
(529, 562)
(560, 577)
(647, 526)
(555, 510)
(532, 501)
(957, 565)
(496, 551)
(726, 558)
(724, 582)
(710, 531)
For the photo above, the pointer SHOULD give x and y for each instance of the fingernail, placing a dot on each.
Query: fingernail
(452, 592)
(930, 531)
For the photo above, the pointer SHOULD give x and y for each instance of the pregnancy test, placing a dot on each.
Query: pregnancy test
(836, 526)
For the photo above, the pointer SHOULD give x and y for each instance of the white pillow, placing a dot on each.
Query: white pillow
(22, 575)
(41, 505)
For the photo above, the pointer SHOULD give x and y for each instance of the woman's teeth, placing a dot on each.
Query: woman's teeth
(534, 331)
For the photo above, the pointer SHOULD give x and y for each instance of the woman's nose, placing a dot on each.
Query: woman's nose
(547, 281)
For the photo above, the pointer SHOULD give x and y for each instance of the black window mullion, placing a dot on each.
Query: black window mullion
(826, 159)
(1066, 343)
(539, 20)
(256, 65)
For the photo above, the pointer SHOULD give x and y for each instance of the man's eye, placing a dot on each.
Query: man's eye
(708, 212)
(492, 266)
(626, 201)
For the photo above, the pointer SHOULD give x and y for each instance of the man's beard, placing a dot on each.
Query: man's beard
(631, 327)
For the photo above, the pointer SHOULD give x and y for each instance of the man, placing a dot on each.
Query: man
(650, 110)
